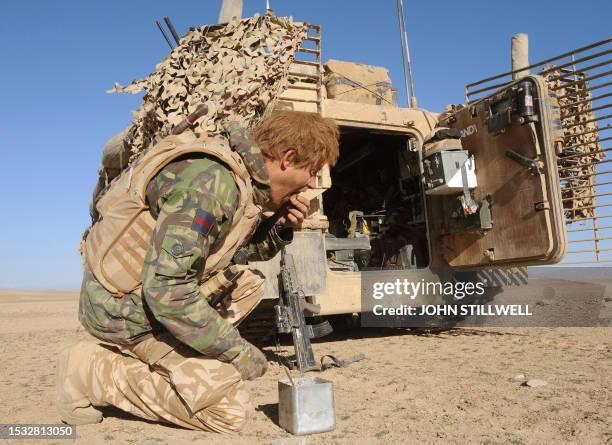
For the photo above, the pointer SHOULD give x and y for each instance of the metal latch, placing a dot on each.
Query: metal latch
(533, 165)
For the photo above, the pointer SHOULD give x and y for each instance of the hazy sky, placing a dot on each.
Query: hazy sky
(59, 57)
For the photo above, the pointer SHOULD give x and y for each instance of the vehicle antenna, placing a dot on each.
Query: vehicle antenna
(159, 26)
(410, 97)
(172, 30)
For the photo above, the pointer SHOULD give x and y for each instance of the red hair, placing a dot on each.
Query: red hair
(313, 138)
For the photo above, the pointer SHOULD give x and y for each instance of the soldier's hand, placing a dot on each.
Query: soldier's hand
(295, 212)
(251, 362)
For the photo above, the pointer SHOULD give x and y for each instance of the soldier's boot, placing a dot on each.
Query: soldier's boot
(73, 369)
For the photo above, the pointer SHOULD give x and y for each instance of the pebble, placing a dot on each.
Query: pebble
(535, 383)
(519, 378)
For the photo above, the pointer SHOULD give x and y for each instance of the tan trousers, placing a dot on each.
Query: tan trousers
(162, 380)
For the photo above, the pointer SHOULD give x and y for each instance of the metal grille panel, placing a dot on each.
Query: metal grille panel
(581, 81)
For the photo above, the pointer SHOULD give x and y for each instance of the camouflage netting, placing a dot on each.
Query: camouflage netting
(581, 144)
(234, 69)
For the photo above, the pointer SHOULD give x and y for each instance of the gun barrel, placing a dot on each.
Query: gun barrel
(172, 30)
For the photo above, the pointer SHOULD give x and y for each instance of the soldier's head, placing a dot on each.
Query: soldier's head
(295, 146)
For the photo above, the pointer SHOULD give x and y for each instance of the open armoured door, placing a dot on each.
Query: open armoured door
(511, 214)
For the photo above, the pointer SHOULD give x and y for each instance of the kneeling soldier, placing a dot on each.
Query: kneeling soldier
(173, 232)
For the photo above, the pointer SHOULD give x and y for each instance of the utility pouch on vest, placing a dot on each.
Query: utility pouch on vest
(217, 287)
(243, 297)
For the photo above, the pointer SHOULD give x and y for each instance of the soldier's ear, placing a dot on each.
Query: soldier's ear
(287, 159)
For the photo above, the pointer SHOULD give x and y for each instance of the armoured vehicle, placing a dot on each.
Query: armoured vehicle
(522, 185)
(510, 181)
(501, 199)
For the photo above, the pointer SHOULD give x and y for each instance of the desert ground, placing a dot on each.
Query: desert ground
(455, 386)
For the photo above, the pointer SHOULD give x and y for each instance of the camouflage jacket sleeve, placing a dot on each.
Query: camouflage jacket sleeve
(195, 206)
(264, 246)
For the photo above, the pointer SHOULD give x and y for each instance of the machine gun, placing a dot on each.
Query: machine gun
(290, 316)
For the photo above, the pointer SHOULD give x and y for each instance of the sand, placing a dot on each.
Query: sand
(455, 386)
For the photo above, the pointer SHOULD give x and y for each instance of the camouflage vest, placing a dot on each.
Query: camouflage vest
(115, 246)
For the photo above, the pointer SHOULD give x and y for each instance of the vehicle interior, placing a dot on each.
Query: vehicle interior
(375, 204)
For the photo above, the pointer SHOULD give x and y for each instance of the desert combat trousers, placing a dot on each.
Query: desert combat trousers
(180, 387)
(161, 379)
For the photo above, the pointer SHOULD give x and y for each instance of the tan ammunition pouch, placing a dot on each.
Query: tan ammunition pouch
(240, 296)
(116, 245)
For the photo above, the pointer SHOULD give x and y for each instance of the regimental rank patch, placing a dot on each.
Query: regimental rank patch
(203, 222)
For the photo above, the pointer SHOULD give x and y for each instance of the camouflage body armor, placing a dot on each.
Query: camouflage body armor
(115, 246)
